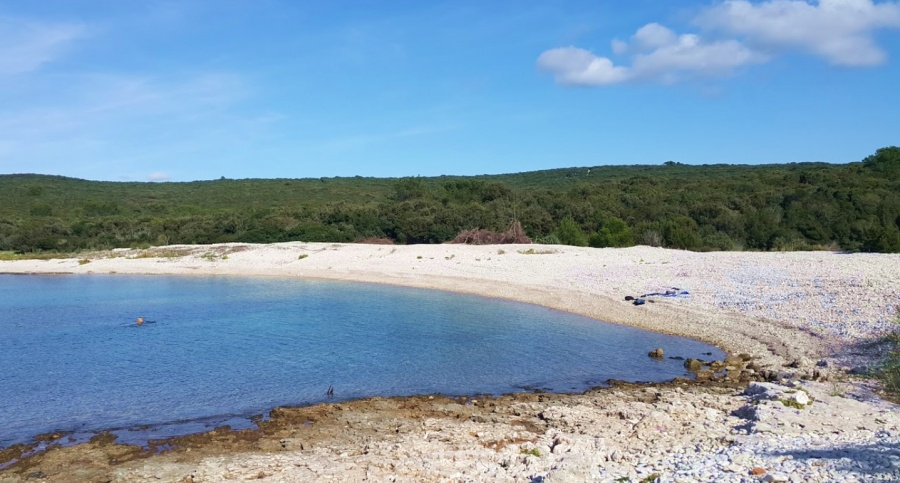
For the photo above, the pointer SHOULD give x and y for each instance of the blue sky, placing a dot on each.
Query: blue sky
(188, 89)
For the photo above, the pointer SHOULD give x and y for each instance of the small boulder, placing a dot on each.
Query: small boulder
(705, 375)
(693, 364)
(656, 353)
(769, 376)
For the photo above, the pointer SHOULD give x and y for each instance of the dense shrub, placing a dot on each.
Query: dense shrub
(570, 233)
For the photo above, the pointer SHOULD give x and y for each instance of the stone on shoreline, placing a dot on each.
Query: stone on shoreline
(693, 365)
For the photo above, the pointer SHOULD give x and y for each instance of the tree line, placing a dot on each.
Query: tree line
(853, 207)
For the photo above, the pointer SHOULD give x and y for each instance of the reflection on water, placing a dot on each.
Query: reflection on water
(72, 357)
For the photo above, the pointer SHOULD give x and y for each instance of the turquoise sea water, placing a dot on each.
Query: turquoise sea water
(216, 349)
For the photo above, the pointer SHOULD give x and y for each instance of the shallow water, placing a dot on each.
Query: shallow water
(216, 349)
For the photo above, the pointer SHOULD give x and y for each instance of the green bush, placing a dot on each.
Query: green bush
(682, 232)
(570, 233)
(615, 233)
(889, 370)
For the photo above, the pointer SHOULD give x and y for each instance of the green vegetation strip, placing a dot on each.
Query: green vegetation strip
(798, 206)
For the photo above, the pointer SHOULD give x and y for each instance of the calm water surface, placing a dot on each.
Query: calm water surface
(223, 349)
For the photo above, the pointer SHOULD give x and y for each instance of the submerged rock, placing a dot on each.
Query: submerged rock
(693, 364)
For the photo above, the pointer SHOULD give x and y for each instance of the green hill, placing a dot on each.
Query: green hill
(853, 206)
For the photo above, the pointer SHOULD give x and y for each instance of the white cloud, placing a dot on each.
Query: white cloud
(158, 177)
(736, 33)
(647, 38)
(574, 66)
(659, 56)
(654, 36)
(838, 30)
(25, 46)
(690, 56)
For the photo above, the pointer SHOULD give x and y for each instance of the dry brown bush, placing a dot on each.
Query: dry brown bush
(479, 236)
(376, 241)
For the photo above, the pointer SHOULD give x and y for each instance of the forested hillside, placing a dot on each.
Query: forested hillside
(853, 206)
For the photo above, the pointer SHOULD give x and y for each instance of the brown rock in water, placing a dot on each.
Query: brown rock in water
(656, 353)
(693, 364)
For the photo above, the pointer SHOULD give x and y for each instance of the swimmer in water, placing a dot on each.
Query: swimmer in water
(140, 321)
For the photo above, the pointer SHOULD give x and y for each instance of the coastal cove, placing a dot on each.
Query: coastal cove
(788, 311)
(217, 350)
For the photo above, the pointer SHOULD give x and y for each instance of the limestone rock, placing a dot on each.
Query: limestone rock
(800, 397)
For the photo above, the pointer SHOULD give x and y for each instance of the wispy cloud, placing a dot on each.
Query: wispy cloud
(95, 101)
(362, 140)
(27, 45)
(114, 123)
(158, 176)
(736, 33)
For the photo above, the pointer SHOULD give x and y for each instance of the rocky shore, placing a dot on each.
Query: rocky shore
(781, 408)
(682, 431)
